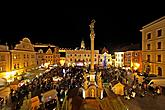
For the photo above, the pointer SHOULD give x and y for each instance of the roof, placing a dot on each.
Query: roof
(155, 21)
(45, 49)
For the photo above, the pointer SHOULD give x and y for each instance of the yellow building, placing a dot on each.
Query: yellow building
(153, 47)
(4, 60)
(79, 57)
(47, 53)
(23, 56)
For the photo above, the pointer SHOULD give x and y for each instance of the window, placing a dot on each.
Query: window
(148, 46)
(136, 54)
(70, 59)
(85, 55)
(95, 59)
(159, 58)
(15, 66)
(24, 56)
(149, 36)
(159, 32)
(101, 60)
(121, 55)
(15, 56)
(159, 45)
(1, 69)
(108, 59)
(75, 55)
(148, 58)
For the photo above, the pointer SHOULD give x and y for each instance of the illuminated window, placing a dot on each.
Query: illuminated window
(1, 69)
(15, 57)
(159, 45)
(148, 46)
(159, 32)
(159, 58)
(149, 36)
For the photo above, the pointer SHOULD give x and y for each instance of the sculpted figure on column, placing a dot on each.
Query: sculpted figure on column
(92, 25)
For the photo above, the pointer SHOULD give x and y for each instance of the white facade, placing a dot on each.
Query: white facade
(119, 59)
(105, 58)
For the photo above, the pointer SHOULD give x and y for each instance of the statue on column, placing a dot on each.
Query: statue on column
(92, 27)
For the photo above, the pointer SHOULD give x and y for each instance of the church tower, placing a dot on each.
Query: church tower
(92, 88)
(82, 44)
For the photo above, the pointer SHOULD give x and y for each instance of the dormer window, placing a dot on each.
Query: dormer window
(40, 51)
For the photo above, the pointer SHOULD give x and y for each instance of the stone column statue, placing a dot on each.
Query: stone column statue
(92, 25)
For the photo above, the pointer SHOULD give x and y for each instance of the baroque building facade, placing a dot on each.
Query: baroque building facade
(23, 55)
(153, 47)
(82, 57)
(4, 60)
(47, 54)
(133, 59)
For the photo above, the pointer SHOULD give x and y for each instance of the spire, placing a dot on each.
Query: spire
(82, 44)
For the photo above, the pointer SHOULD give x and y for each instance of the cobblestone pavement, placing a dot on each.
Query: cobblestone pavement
(147, 102)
